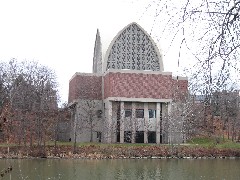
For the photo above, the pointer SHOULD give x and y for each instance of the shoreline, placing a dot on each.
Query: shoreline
(119, 158)
(119, 152)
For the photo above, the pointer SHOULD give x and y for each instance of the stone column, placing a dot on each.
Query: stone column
(108, 126)
(74, 120)
(165, 110)
(158, 122)
(133, 122)
(146, 119)
(122, 116)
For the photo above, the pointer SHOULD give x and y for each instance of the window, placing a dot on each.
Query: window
(152, 113)
(99, 136)
(139, 113)
(99, 113)
(128, 112)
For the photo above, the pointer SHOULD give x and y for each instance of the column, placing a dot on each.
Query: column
(166, 121)
(74, 120)
(108, 121)
(133, 122)
(146, 119)
(165, 132)
(122, 116)
(158, 122)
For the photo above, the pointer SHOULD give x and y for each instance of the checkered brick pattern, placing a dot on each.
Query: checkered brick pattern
(85, 87)
(129, 85)
(179, 90)
(133, 85)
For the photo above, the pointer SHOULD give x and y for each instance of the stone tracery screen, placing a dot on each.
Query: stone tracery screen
(133, 50)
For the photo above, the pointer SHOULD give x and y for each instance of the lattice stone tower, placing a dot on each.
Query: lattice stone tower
(97, 56)
(133, 49)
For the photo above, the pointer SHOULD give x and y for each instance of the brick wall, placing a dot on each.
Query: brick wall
(85, 87)
(179, 89)
(129, 85)
(137, 85)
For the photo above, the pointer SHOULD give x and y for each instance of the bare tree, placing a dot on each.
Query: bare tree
(225, 104)
(31, 95)
(86, 120)
(184, 121)
(90, 116)
(206, 30)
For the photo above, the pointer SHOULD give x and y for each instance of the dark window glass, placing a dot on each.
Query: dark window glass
(99, 113)
(128, 112)
(139, 113)
(99, 134)
(152, 113)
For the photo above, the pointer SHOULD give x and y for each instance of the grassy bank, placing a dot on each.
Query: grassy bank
(196, 148)
(214, 142)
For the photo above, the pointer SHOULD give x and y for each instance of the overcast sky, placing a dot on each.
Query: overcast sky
(61, 33)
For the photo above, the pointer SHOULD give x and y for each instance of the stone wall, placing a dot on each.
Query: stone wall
(63, 131)
(88, 116)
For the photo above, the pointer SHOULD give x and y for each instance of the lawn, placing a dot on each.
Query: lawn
(51, 143)
(207, 142)
(213, 142)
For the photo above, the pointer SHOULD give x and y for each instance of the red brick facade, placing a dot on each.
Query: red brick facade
(128, 85)
(83, 86)
(179, 88)
(137, 85)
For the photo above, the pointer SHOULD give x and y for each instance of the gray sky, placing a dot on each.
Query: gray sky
(61, 33)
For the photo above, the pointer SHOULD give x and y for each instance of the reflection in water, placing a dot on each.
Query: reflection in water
(122, 169)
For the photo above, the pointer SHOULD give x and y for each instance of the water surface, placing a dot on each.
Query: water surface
(67, 169)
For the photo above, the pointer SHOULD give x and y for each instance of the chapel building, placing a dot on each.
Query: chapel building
(127, 97)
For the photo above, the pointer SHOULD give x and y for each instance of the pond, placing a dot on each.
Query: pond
(68, 169)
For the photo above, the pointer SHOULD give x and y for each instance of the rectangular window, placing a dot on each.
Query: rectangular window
(152, 113)
(128, 113)
(99, 113)
(99, 134)
(139, 113)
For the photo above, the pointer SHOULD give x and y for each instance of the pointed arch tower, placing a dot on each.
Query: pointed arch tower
(133, 49)
(97, 54)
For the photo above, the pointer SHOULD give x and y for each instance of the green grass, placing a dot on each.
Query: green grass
(100, 144)
(229, 144)
(199, 141)
(82, 144)
(7, 145)
(213, 142)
